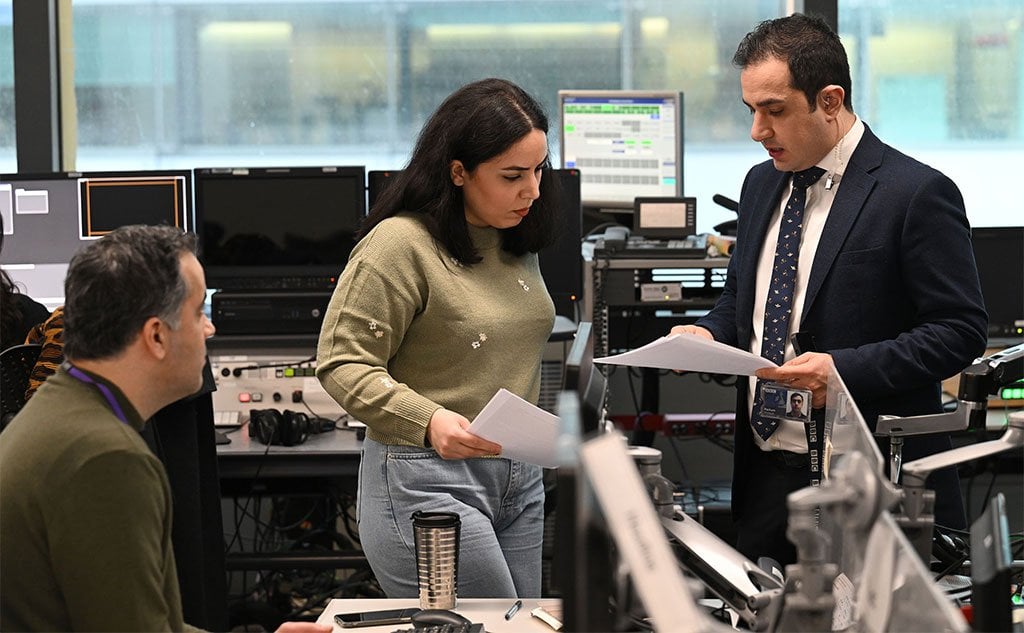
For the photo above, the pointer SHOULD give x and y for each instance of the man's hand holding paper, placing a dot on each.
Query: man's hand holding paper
(809, 370)
(695, 330)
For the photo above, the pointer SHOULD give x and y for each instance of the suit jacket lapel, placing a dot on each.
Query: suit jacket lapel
(857, 183)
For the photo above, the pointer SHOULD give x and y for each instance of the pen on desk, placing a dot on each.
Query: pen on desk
(513, 609)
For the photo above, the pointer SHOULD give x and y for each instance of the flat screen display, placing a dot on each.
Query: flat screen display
(48, 217)
(625, 143)
(278, 228)
(108, 203)
(999, 253)
(669, 218)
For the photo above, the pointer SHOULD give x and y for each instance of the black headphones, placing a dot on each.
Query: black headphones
(284, 428)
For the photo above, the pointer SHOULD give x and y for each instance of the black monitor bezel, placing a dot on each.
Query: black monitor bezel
(583, 562)
(583, 376)
(376, 181)
(689, 228)
(218, 274)
(984, 240)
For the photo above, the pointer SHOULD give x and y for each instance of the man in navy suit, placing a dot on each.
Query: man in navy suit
(885, 282)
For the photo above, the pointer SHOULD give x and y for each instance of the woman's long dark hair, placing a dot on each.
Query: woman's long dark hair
(10, 312)
(474, 124)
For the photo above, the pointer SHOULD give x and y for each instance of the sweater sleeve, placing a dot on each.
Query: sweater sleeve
(378, 295)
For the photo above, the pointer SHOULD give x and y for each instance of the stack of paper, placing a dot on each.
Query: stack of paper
(688, 352)
(526, 432)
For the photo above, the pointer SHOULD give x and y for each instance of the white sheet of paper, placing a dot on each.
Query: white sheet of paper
(688, 352)
(526, 432)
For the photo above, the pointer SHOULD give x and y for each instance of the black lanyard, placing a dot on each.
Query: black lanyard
(104, 390)
(814, 431)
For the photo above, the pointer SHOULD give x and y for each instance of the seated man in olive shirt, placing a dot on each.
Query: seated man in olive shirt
(85, 507)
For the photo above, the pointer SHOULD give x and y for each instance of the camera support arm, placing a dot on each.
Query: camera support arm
(915, 502)
(977, 382)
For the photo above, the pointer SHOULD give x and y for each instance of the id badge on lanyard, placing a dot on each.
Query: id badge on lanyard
(783, 402)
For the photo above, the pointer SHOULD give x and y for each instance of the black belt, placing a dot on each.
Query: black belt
(787, 458)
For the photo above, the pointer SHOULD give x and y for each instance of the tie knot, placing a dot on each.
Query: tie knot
(806, 178)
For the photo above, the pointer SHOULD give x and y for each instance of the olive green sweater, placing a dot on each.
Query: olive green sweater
(409, 330)
(85, 518)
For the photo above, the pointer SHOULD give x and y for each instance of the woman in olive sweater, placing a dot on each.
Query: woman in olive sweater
(441, 305)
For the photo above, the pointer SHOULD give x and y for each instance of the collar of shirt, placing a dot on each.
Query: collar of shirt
(834, 163)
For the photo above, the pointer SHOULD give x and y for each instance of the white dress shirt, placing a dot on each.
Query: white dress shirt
(789, 435)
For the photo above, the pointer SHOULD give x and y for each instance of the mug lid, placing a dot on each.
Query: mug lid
(435, 519)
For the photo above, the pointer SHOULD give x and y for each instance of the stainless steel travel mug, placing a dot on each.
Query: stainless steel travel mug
(437, 558)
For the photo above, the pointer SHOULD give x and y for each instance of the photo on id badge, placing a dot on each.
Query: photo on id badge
(785, 403)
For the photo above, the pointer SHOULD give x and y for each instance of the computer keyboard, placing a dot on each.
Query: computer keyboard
(227, 419)
(476, 627)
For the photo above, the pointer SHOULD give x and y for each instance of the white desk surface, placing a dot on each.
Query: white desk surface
(488, 611)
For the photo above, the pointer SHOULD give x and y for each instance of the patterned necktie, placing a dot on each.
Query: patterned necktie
(779, 305)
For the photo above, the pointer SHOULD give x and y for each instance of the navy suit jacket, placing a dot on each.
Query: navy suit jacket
(893, 294)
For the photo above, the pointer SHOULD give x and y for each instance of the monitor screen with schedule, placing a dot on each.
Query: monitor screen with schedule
(625, 143)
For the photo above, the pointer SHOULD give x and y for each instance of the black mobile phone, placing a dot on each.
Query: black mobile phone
(375, 618)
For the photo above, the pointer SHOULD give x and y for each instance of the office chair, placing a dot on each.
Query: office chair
(16, 363)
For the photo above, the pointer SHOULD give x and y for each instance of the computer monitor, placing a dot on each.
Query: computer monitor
(106, 203)
(626, 143)
(999, 252)
(376, 182)
(48, 217)
(991, 566)
(664, 218)
(585, 378)
(280, 228)
(583, 569)
(561, 263)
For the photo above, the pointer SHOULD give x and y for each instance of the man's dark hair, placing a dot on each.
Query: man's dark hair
(812, 50)
(118, 282)
(795, 396)
(476, 123)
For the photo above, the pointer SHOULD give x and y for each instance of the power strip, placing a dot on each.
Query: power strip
(700, 424)
(703, 427)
